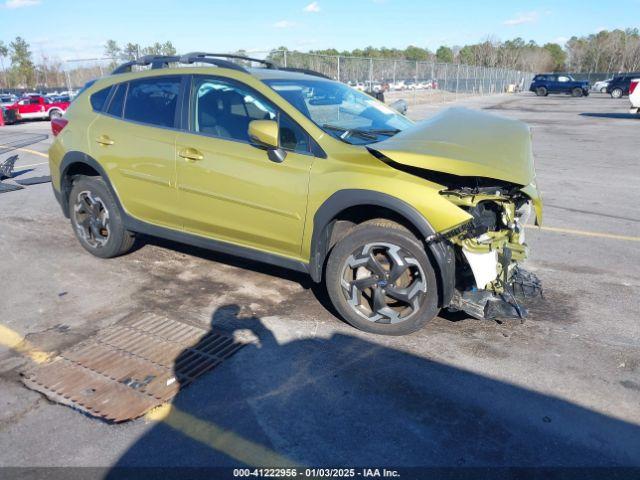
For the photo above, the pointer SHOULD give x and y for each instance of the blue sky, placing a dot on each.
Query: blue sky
(78, 29)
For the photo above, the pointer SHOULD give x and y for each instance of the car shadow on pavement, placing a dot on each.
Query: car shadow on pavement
(347, 400)
(302, 279)
(627, 116)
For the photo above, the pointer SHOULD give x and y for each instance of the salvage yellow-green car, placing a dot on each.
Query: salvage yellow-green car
(398, 219)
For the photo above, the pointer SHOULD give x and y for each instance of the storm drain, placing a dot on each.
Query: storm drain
(131, 367)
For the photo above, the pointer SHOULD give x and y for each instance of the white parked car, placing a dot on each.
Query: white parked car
(601, 86)
(634, 95)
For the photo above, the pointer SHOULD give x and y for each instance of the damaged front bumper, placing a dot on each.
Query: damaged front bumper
(490, 283)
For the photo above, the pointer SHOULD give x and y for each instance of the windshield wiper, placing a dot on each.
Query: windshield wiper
(369, 134)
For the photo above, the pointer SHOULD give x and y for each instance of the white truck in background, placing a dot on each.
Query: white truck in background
(634, 95)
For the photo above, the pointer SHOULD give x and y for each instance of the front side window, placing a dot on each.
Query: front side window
(351, 116)
(225, 110)
(153, 101)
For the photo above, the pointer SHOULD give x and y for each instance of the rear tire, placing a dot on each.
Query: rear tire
(55, 113)
(577, 92)
(616, 93)
(380, 279)
(541, 92)
(96, 219)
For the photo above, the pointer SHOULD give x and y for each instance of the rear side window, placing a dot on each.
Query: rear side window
(153, 101)
(99, 98)
(117, 101)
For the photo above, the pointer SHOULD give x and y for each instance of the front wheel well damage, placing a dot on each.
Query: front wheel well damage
(339, 226)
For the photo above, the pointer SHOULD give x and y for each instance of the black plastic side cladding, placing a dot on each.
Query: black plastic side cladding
(440, 250)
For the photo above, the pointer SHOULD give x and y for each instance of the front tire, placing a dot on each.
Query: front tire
(541, 92)
(577, 92)
(616, 93)
(603, 90)
(96, 219)
(380, 279)
(55, 113)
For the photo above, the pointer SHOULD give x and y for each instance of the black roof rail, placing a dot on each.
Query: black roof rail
(198, 57)
(306, 71)
(156, 61)
(201, 55)
(217, 59)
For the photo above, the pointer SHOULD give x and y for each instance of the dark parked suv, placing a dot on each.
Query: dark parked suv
(619, 86)
(546, 83)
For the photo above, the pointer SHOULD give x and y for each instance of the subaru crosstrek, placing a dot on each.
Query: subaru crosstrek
(398, 219)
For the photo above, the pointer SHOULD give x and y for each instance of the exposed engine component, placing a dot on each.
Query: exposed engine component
(522, 288)
(491, 283)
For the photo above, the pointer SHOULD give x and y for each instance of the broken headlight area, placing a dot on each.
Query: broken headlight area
(490, 283)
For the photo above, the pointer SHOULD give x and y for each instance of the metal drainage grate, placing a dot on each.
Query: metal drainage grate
(129, 368)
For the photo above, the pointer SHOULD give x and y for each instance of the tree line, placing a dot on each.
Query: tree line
(18, 69)
(605, 51)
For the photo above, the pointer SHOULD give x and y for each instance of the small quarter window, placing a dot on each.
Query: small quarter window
(292, 136)
(99, 98)
(117, 101)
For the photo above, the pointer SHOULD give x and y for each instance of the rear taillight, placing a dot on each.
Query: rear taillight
(57, 124)
(633, 86)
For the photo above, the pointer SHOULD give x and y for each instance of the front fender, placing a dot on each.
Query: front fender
(441, 251)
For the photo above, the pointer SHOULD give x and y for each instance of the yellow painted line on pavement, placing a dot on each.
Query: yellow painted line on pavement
(17, 343)
(586, 233)
(217, 438)
(207, 433)
(27, 150)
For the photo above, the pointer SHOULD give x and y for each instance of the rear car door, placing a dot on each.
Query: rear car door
(229, 189)
(134, 140)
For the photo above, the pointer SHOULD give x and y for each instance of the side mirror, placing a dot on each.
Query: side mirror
(265, 134)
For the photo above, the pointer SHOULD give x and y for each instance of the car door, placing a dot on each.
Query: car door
(134, 140)
(229, 189)
(564, 84)
(30, 108)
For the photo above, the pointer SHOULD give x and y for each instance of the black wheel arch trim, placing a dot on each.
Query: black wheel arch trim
(73, 158)
(139, 226)
(441, 251)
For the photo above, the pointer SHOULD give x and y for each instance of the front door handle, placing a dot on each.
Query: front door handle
(190, 154)
(104, 140)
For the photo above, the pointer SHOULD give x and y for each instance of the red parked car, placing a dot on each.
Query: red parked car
(39, 107)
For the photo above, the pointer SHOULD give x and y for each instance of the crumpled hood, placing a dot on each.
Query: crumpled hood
(465, 142)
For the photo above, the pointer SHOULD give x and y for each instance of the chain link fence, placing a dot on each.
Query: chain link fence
(415, 82)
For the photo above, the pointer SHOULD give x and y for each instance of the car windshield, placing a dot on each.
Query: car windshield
(347, 114)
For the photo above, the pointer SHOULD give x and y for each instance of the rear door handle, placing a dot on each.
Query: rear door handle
(104, 140)
(190, 154)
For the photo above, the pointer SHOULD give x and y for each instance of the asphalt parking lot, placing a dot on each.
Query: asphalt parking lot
(560, 389)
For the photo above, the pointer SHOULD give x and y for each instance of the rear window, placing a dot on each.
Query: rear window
(153, 101)
(99, 99)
